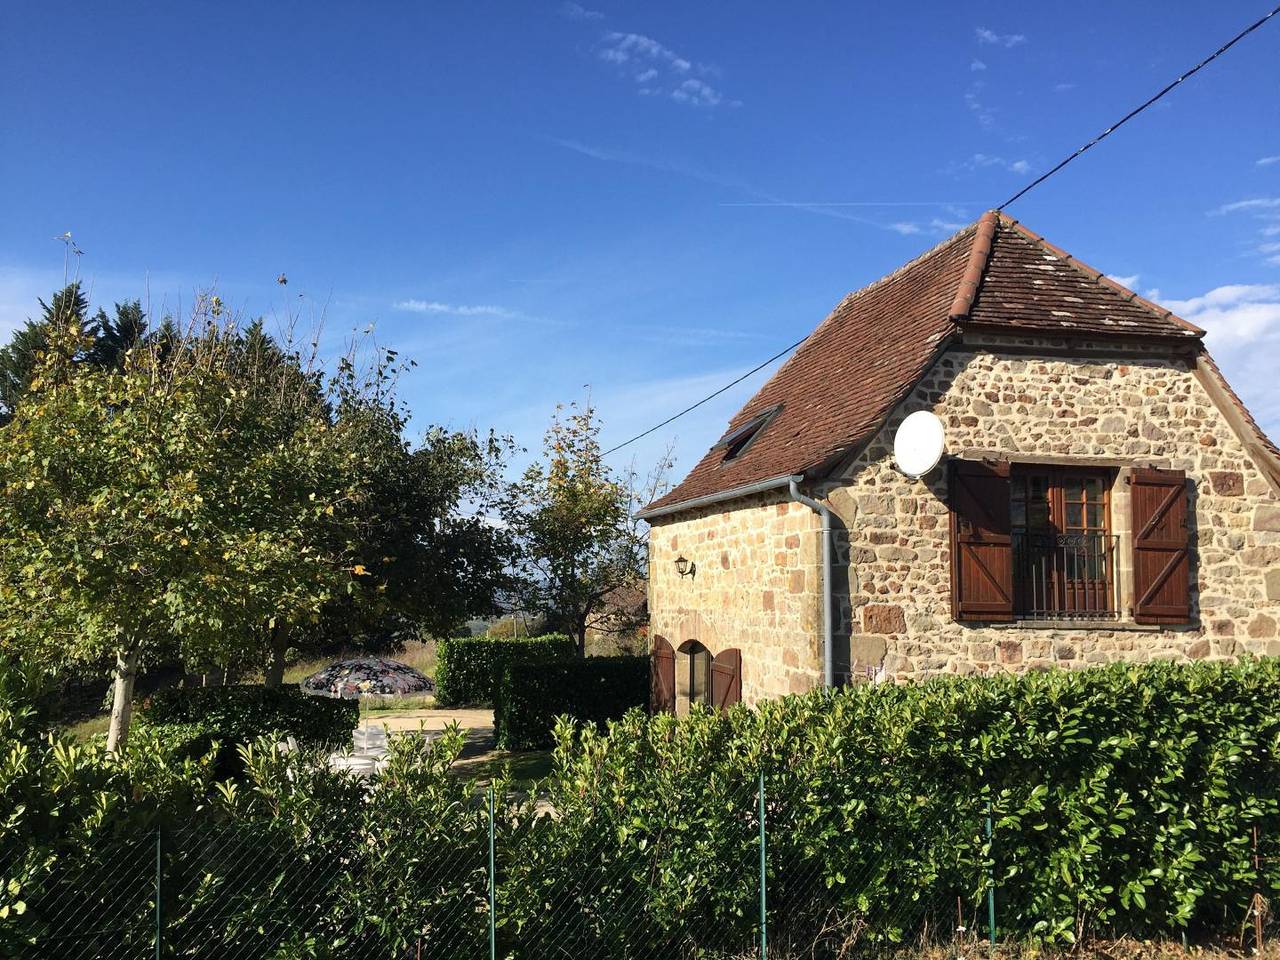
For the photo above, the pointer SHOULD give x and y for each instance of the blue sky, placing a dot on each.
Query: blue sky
(646, 198)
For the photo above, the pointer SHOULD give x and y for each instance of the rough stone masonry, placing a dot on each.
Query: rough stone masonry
(758, 587)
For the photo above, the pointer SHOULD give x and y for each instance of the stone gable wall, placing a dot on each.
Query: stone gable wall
(756, 587)
(758, 583)
(894, 619)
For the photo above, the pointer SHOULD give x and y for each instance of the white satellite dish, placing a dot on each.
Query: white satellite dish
(919, 444)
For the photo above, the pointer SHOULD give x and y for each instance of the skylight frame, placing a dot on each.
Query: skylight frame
(738, 441)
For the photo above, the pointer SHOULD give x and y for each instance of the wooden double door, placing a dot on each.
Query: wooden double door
(691, 675)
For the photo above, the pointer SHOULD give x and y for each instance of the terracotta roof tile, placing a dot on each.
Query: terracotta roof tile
(1031, 285)
(846, 377)
(860, 362)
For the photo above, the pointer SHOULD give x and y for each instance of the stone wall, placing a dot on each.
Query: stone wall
(894, 618)
(756, 587)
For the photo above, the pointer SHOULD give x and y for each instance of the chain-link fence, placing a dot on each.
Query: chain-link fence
(769, 869)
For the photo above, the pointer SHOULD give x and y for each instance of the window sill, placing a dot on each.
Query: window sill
(1110, 625)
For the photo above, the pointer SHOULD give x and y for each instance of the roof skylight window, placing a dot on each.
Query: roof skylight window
(736, 441)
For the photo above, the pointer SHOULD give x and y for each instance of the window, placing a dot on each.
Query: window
(1036, 542)
(1063, 549)
(736, 441)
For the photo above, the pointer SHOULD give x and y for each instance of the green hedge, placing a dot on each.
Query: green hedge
(469, 669)
(591, 690)
(1123, 801)
(240, 714)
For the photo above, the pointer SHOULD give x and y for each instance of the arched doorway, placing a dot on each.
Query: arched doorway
(693, 676)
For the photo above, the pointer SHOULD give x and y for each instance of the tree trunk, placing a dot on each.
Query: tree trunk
(278, 645)
(122, 699)
(580, 633)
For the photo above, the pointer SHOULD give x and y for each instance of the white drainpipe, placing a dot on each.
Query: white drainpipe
(828, 654)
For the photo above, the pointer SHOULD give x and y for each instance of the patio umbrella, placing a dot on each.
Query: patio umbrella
(367, 676)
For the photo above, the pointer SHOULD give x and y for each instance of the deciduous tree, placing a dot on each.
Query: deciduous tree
(164, 502)
(578, 543)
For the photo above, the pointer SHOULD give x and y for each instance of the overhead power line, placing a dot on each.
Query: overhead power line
(711, 396)
(1137, 110)
(1030, 186)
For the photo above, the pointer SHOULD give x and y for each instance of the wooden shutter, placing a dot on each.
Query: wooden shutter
(662, 677)
(726, 679)
(981, 543)
(1161, 546)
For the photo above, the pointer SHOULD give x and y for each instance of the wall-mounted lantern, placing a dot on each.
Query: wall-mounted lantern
(686, 568)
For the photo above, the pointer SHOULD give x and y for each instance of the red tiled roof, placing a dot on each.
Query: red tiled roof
(1031, 285)
(860, 362)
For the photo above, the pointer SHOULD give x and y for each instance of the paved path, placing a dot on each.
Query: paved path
(370, 738)
(477, 724)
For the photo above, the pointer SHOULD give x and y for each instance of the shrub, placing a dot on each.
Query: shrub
(1123, 801)
(293, 853)
(241, 714)
(469, 669)
(591, 690)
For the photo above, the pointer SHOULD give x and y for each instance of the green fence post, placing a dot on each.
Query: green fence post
(159, 893)
(991, 884)
(493, 887)
(764, 920)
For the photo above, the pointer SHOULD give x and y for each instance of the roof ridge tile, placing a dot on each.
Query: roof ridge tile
(979, 254)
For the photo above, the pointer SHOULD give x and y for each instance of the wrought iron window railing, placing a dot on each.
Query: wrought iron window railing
(1065, 576)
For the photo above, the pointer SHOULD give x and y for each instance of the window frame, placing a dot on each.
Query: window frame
(1073, 597)
(738, 441)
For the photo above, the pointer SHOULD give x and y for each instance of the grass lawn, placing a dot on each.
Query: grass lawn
(526, 767)
(419, 654)
(398, 705)
(84, 730)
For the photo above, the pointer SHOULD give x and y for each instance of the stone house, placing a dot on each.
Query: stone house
(1104, 494)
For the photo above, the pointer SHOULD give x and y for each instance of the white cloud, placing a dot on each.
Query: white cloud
(977, 66)
(1234, 313)
(576, 11)
(1257, 203)
(456, 310)
(1242, 324)
(985, 115)
(696, 92)
(984, 161)
(659, 71)
(1268, 161)
(1063, 87)
(937, 226)
(1265, 211)
(1131, 281)
(992, 38)
(761, 198)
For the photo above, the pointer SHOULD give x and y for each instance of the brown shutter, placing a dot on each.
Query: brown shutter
(981, 544)
(1161, 546)
(726, 679)
(662, 677)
